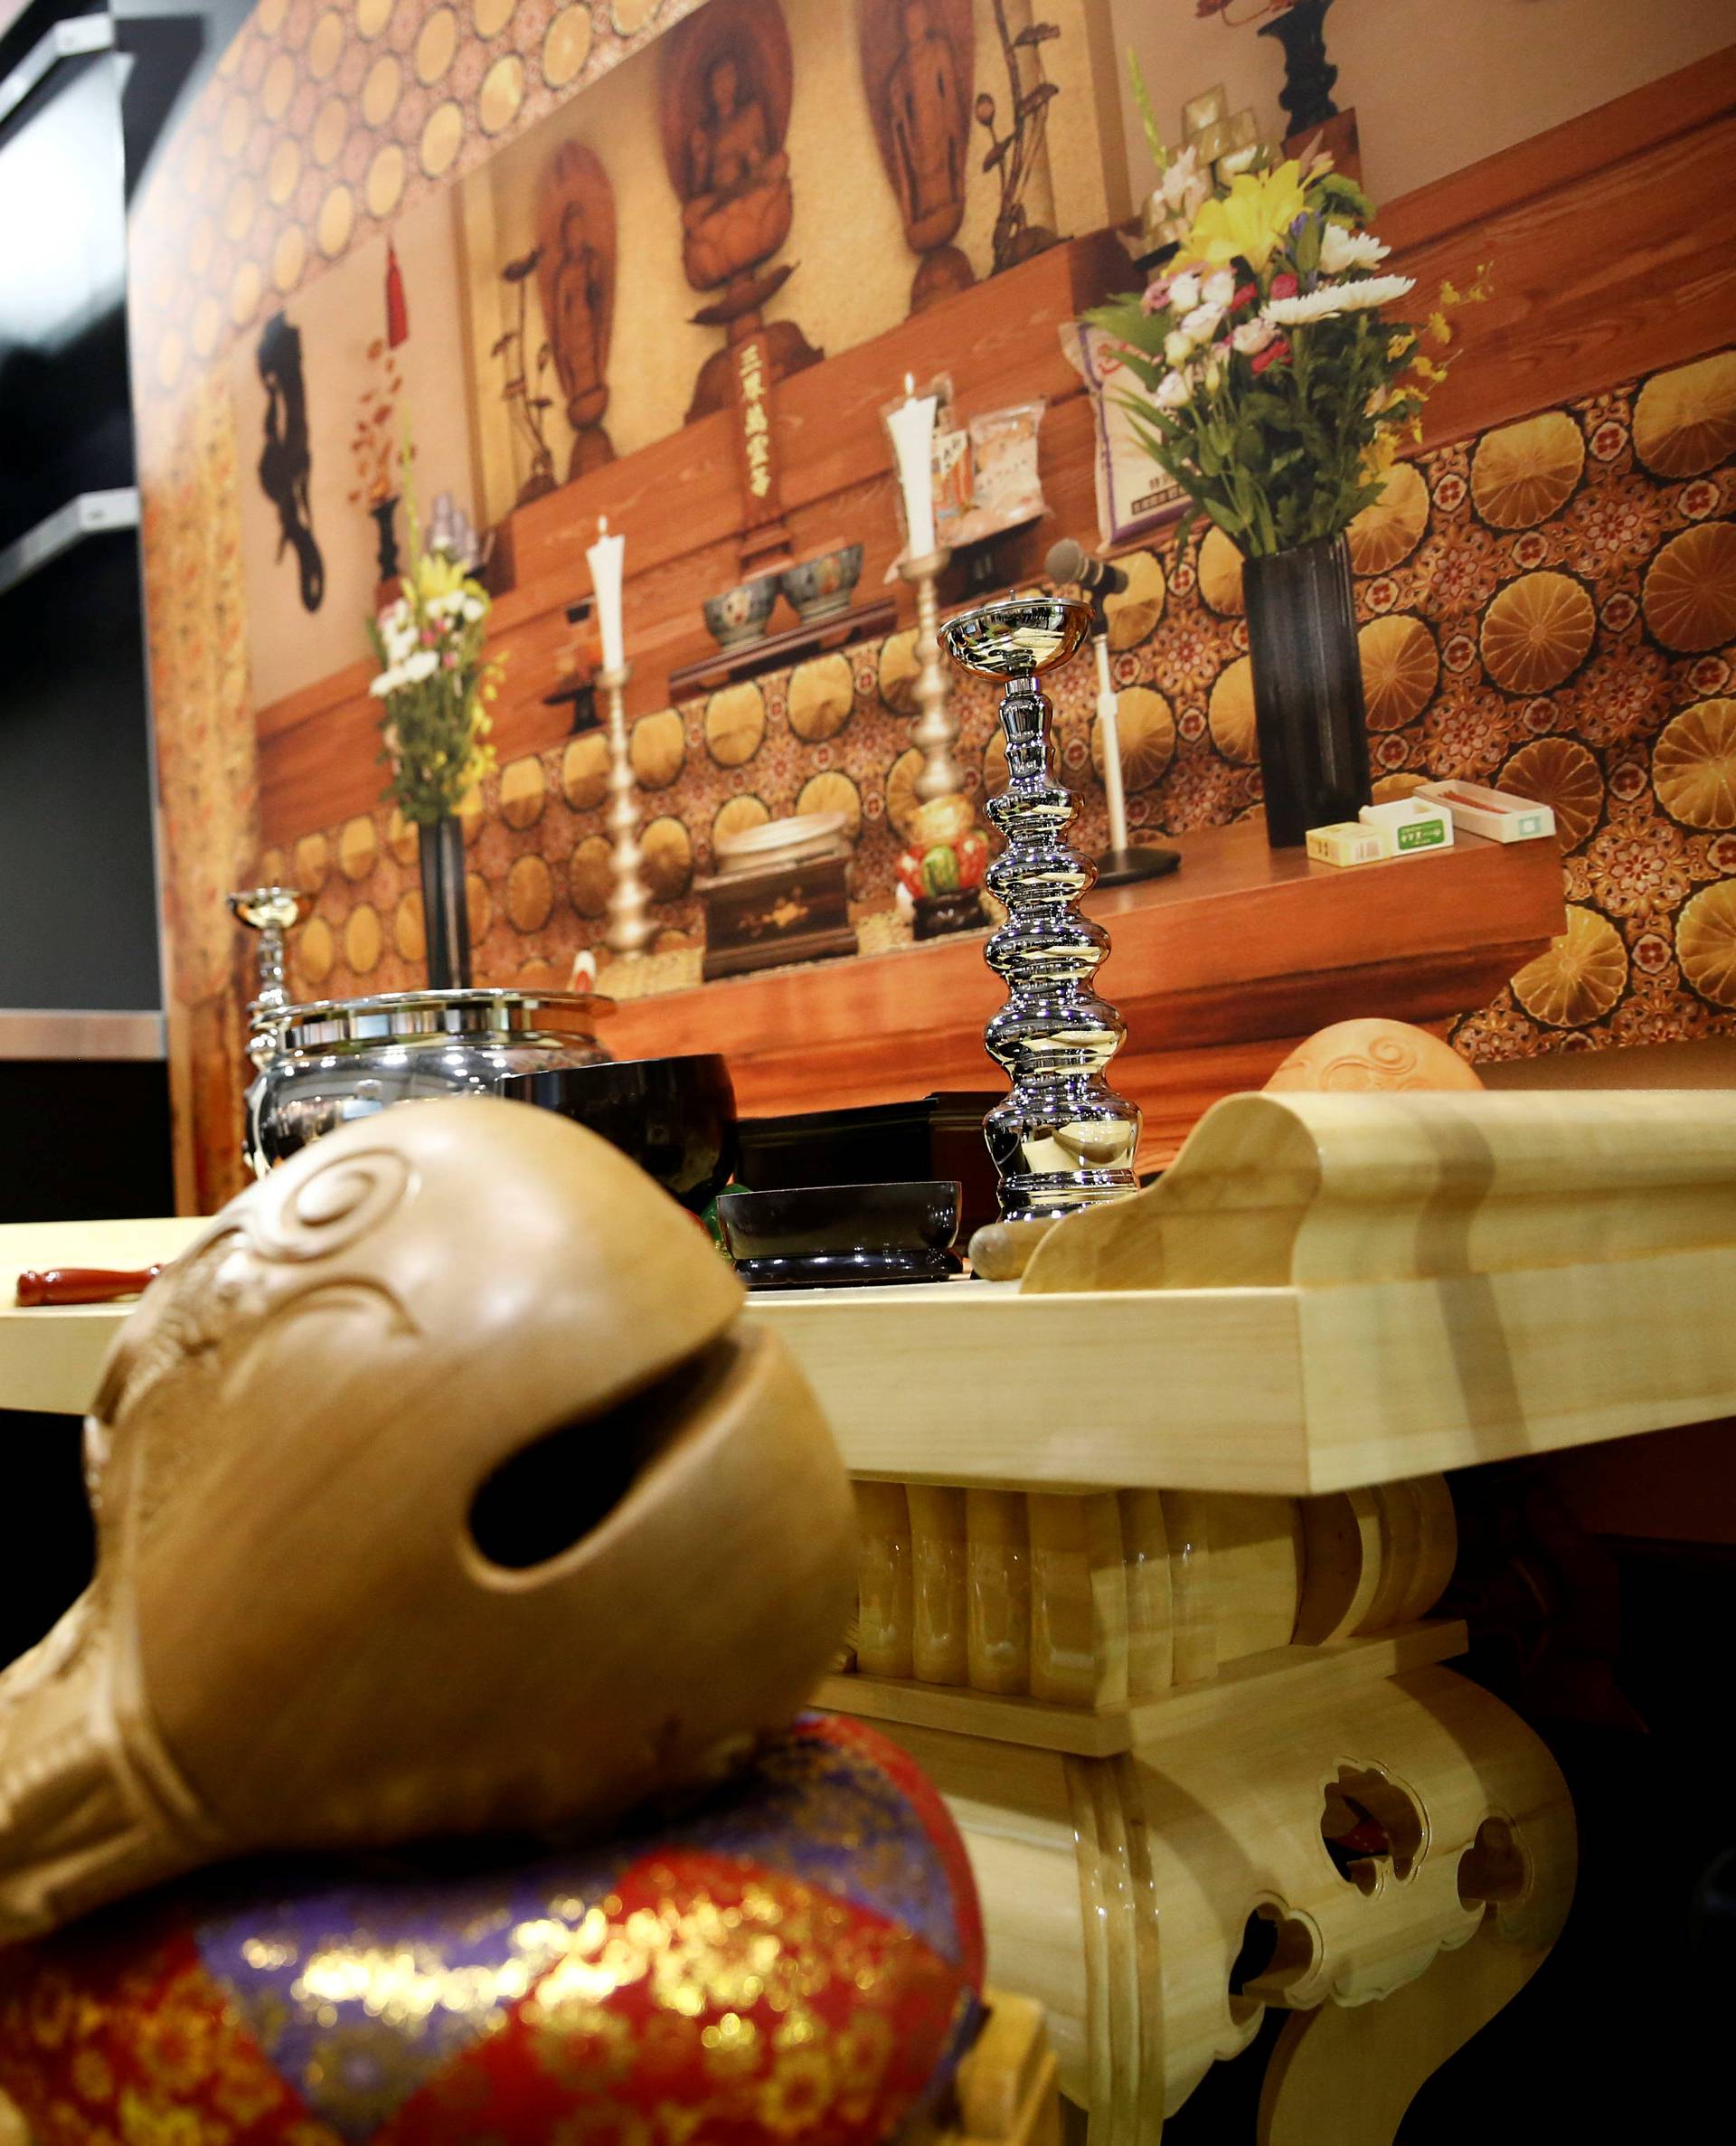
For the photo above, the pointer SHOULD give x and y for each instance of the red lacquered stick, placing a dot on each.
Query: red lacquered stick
(82, 1285)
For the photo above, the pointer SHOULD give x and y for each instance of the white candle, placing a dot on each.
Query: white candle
(911, 425)
(605, 559)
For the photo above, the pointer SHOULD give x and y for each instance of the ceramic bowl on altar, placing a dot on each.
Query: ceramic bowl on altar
(776, 843)
(674, 1117)
(338, 1059)
(738, 618)
(823, 1237)
(821, 588)
(641, 1986)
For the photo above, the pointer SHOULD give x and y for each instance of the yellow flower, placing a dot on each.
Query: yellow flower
(437, 575)
(1249, 222)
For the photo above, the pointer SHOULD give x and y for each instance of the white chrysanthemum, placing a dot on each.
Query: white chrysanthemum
(420, 665)
(1295, 313)
(1341, 248)
(1330, 300)
(1219, 288)
(386, 683)
(1374, 291)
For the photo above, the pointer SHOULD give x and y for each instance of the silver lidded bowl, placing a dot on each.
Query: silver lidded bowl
(324, 1064)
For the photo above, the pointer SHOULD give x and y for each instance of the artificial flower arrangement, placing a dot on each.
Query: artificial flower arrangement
(435, 680)
(1278, 390)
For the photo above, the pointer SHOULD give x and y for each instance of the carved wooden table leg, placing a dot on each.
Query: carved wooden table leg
(1326, 1853)
(1205, 1760)
(1339, 2077)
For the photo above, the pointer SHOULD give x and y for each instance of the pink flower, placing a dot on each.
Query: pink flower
(1274, 353)
(1157, 297)
(1249, 295)
(1284, 286)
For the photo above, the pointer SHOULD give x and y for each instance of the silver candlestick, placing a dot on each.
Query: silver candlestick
(1064, 1138)
(630, 927)
(935, 731)
(273, 913)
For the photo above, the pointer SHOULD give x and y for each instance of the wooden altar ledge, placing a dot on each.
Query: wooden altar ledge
(1219, 970)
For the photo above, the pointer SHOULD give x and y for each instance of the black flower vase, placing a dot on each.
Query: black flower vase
(445, 921)
(1308, 74)
(385, 513)
(1308, 688)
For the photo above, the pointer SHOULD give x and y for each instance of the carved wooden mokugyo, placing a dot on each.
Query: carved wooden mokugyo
(439, 1491)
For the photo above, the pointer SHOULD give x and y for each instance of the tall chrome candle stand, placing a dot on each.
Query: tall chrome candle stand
(273, 913)
(1064, 1138)
(630, 927)
(935, 731)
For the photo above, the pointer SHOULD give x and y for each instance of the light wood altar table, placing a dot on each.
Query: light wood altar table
(1150, 1541)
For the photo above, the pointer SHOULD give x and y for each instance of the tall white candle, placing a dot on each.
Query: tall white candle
(605, 559)
(911, 425)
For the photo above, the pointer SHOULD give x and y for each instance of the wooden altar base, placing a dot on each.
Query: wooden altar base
(1219, 969)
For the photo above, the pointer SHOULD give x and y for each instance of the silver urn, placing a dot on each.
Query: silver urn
(324, 1064)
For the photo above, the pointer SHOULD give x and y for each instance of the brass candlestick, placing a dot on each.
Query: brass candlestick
(1064, 1138)
(935, 730)
(630, 928)
(273, 913)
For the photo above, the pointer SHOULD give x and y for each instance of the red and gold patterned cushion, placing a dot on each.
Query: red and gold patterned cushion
(798, 1959)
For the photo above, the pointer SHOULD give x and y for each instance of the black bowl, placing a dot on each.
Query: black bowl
(674, 1117)
(814, 1236)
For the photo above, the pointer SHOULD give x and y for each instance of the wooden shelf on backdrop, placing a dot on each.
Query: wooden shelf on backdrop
(1218, 969)
(679, 500)
(730, 666)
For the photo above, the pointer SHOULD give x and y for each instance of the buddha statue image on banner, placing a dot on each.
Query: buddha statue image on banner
(575, 221)
(724, 99)
(917, 65)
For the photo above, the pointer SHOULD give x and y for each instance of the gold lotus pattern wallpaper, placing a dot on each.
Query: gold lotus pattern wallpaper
(1551, 608)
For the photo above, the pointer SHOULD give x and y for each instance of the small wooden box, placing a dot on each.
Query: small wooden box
(763, 919)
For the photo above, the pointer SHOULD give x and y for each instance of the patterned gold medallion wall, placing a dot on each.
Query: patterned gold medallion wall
(1551, 608)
